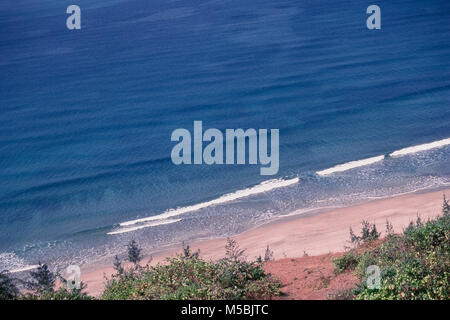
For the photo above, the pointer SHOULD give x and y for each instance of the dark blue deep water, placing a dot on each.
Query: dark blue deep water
(86, 116)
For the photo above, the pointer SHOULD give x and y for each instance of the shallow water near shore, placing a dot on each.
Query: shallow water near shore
(87, 117)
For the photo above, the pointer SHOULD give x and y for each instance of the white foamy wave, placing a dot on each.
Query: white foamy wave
(398, 153)
(260, 188)
(421, 147)
(146, 225)
(350, 165)
(9, 261)
(27, 268)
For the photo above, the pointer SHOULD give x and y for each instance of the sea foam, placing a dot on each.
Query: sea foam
(365, 162)
(146, 225)
(350, 165)
(264, 186)
(10, 261)
(421, 147)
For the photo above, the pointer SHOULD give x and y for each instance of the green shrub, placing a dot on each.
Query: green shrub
(412, 265)
(42, 280)
(268, 254)
(8, 288)
(368, 233)
(42, 286)
(415, 265)
(59, 294)
(187, 276)
(445, 206)
(347, 262)
(134, 252)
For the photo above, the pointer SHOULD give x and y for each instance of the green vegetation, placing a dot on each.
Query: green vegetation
(58, 294)
(187, 276)
(42, 287)
(8, 288)
(347, 262)
(268, 254)
(134, 252)
(42, 280)
(413, 265)
(368, 233)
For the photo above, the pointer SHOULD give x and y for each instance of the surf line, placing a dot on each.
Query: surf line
(372, 160)
(146, 225)
(166, 217)
(27, 268)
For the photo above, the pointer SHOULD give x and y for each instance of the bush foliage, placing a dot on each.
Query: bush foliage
(413, 265)
(8, 288)
(187, 276)
(40, 287)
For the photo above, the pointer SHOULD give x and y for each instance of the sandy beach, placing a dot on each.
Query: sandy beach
(314, 235)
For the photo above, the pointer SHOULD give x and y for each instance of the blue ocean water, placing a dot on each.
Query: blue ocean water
(86, 115)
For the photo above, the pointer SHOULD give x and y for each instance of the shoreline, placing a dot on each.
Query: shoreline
(312, 233)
